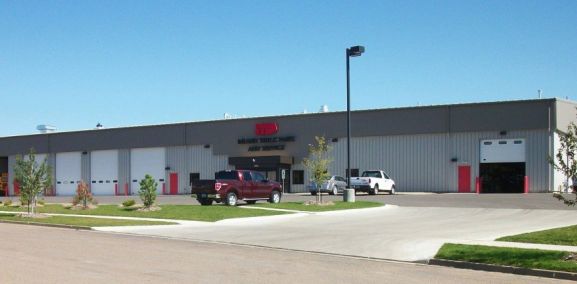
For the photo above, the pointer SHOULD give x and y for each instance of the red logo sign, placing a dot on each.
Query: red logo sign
(266, 129)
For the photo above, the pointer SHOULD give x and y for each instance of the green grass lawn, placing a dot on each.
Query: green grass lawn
(560, 236)
(81, 221)
(339, 205)
(177, 212)
(526, 258)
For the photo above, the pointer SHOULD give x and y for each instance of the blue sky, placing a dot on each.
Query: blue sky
(73, 64)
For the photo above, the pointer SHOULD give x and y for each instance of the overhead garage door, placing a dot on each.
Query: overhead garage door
(502, 167)
(104, 172)
(68, 172)
(147, 161)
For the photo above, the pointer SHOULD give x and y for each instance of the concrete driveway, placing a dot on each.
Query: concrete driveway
(389, 232)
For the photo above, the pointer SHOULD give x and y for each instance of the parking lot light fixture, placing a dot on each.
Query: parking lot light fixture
(353, 51)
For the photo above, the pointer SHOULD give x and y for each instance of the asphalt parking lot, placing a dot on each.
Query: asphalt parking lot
(410, 227)
(452, 200)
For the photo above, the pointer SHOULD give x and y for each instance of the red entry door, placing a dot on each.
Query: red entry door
(174, 183)
(464, 178)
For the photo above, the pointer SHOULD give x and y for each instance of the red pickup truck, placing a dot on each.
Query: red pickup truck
(231, 186)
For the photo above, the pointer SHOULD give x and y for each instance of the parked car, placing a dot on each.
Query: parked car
(333, 186)
(231, 186)
(373, 181)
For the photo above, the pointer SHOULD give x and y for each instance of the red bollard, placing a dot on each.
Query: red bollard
(526, 185)
(115, 189)
(477, 185)
(126, 189)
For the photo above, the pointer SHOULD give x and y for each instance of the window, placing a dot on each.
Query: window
(258, 176)
(502, 142)
(518, 142)
(193, 177)
(227, 175)
(374, 174)
(298, 177)
(246, 176)
(487, 143)
(354, 173)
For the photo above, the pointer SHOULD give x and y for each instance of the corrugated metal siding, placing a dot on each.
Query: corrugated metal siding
(51, 161)
(423, 162)
(194, 159)
(559, 179)
(85, 167)
(177, 161)
(11, 164)
(123, 169)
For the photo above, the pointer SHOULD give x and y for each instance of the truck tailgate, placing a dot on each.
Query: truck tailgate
(203, 186)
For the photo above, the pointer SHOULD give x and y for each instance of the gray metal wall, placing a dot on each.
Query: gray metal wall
(85, 167)
(423, 162)
(222, 135)
(193, 159)
(11, 164)
(123, 170)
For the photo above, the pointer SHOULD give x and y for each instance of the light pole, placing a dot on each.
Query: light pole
(351, 52)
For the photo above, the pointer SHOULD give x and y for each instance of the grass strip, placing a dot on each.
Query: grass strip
(561, 236)
(80, 221)
(525, 258)
(338, 205)
(176, 212)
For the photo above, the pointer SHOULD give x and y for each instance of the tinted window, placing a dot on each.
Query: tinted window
(354, 173)
(298, 177)
(226, 175)
(258, 176)
(374, 174)
(246, 176)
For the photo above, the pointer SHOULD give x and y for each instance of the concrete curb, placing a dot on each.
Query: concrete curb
(47, 225)
(504, 269)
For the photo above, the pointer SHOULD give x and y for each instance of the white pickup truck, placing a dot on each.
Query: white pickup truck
(372, 182)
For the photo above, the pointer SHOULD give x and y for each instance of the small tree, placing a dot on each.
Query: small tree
(83, 195)
(317, 164)
(33, 179)
(147, 191)
(565, 160)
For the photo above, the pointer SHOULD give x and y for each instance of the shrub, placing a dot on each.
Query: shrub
(128, 203)
(147, 191)
(7, 202)
(83, 195)
(41, 202)
(24, 201)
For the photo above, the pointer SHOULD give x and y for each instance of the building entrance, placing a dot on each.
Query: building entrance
(502, 167)
(270, 166)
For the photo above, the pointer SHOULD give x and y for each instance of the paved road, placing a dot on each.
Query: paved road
(389, 232)
(455, 200)
(33, 254)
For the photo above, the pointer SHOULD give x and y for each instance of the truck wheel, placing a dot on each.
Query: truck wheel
(334, 191)
(205, 202)
(392, 190)
(374, 190)
(274, 197)
(251, 201)
(231, 199)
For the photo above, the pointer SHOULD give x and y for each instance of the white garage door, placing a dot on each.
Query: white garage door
(104, 172)
(147, 161)
(68, 172)
(503, 151)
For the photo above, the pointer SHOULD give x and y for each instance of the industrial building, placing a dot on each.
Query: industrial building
(496, 147)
